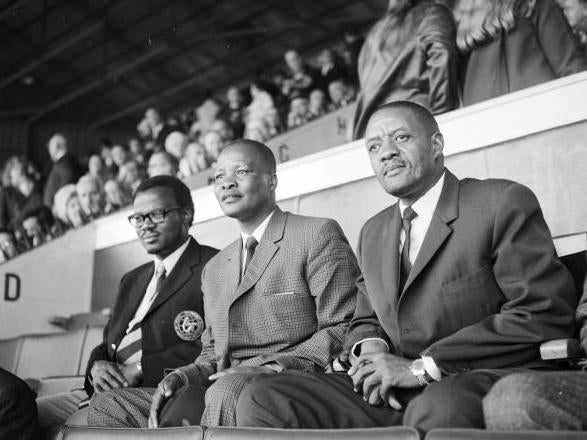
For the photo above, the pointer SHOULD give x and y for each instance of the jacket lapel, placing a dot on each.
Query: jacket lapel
(264, 253)
(446, 211)
(180, 274)
(135, 296)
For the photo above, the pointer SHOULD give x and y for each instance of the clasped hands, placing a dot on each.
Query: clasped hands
(174, 381)
(110, 375)
(376, 374)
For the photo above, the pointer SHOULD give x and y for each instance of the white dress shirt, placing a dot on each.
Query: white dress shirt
(169, 263)
(424, 207)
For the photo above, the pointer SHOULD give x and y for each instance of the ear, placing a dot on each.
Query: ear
(437, 144)
(273, 182)
(188, 217)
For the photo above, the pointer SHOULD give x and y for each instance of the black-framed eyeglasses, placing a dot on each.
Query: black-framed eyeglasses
(155, 216)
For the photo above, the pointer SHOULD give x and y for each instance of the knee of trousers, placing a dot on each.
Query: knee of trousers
(225, 388)
(510, 400)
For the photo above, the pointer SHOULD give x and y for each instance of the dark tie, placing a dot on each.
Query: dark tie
(250, 246)
(405, 265)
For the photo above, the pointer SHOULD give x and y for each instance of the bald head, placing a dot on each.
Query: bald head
(261, 152)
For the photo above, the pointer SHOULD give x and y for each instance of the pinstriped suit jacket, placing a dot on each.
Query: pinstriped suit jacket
(292, 305)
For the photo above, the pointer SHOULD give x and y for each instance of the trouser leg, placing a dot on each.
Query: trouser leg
(55, 409)
(313, 401)
(121, 408)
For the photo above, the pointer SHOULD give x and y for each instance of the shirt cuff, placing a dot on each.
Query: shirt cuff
(355, 350)
(431, 368)
(182, 376)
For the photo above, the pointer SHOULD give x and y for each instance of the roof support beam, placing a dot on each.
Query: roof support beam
(50, 54)
(98, 82)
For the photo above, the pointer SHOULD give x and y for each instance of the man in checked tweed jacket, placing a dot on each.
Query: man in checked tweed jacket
(281, 304)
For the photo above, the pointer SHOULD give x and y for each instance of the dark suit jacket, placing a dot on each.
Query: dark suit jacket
(18, 410)
(292, 306)
(485, 289)
(66, 170)
(162, 347)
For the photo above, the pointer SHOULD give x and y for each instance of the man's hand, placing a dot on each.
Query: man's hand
(107, 376)
(368, 347)
(166, 388)
(241, 369)
(132, 374)
(382, 372)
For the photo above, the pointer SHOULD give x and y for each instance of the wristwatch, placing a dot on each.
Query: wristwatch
(418, 370)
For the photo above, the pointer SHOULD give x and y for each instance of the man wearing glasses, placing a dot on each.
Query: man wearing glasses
(159, 314)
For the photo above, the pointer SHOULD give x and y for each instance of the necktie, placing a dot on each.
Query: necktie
(405, 264)
(130, 349)
(250, 246)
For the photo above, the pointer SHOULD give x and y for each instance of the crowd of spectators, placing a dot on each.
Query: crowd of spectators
(33, 210)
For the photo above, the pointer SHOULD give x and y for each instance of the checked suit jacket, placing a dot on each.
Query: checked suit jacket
(162, 347)
(292, 306)
(486, 287)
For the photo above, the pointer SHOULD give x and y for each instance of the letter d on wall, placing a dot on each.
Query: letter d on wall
(11, 287)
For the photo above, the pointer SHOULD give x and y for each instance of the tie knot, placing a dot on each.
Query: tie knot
(160, 270)
(251, 243)
(409, 214)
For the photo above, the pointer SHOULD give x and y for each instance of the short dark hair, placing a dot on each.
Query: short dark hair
(263, 151)
(181, 192)
(422, 113)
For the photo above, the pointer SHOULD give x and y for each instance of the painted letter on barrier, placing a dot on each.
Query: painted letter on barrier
(11, 287)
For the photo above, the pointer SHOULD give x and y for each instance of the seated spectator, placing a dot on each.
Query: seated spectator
(106, 155)
(262, 119)
(331, 68)
(67, 209)
(119, 155)
(158, 317)
(162, 163)
(340, 95)
(223, 128)
(512, 45)
(207, 113)
(353, 42)
(234, 111)
(11, 198)
(410, 54)
(29, 188)
(301, 77)
(117, 196)
(194, 160)
(91, 197)
(317, 104)
(301, 331)
(131, 175)
(175, 144)
(137, 149)
(38, 226)
(66, 167)
(213, 144)
(97, 169)
(555, 401)
(299, 113)
(8, 248)
(421, 350)
(18, 411)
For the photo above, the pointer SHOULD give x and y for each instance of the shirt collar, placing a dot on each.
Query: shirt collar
(258, 233)
(426, 204)
(171, 260)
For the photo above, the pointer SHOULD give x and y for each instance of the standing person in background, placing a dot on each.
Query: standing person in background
(301, 77)
(66, 168)
(410, 54)
(513, 44)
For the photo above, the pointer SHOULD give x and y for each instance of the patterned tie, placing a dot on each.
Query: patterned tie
(405, 264)
(130, 349)
(250, 246)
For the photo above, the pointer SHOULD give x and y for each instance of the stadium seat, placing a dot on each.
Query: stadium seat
(50, 355)
(478, 434)
(390, 433)
(88, 433)
(9, 353)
